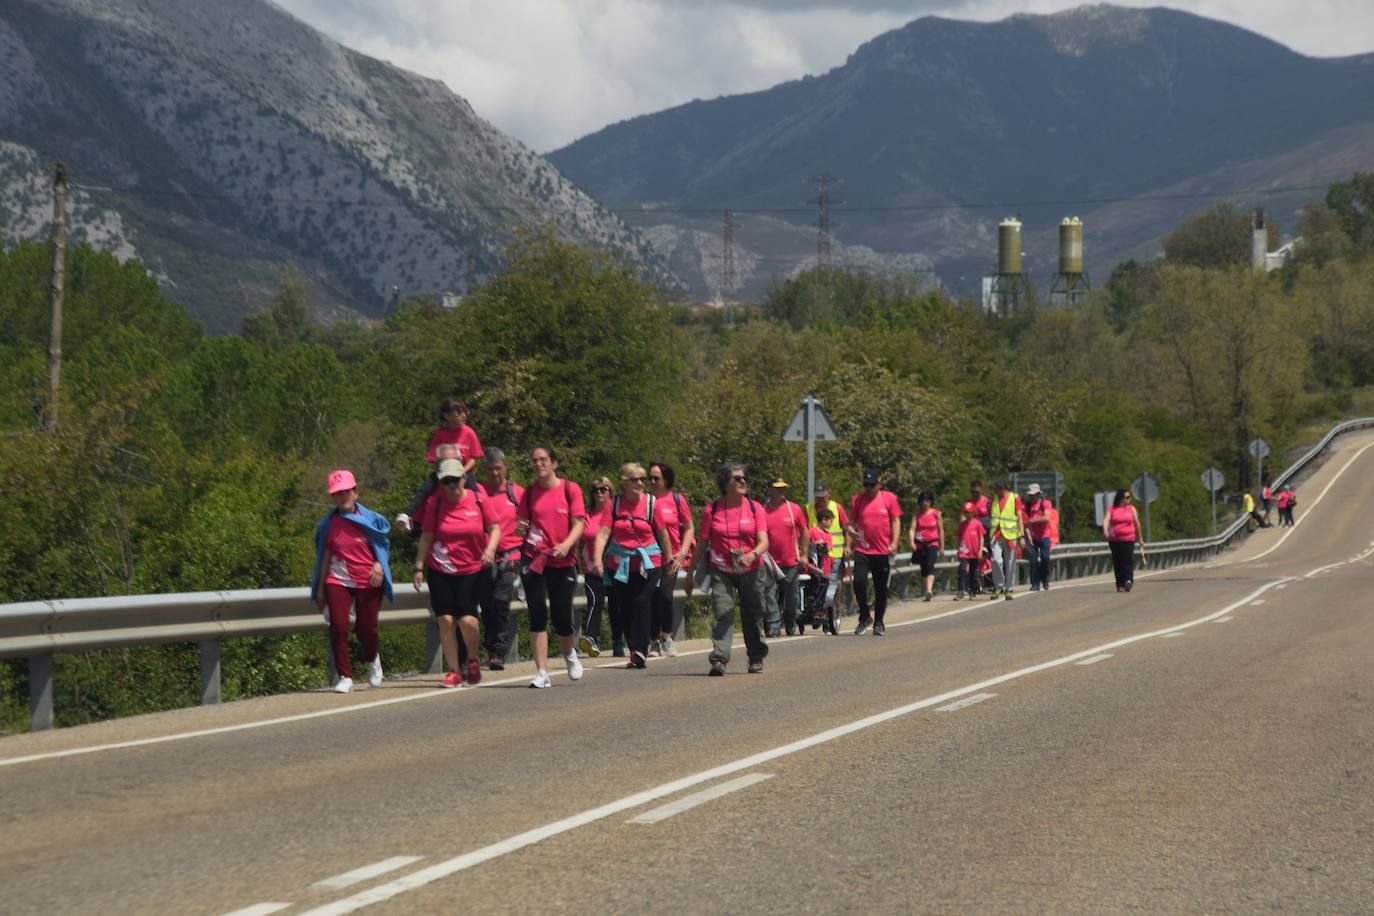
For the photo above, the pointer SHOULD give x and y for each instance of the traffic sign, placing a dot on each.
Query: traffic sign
(1102, 501)
(797, 429)
(1051, 483)
(1145, 488)
(1259, 448)
(1213, 479)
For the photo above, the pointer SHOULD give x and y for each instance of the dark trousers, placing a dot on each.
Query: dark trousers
(601, 598)
(367, 605)
(636, 603)
(1039, 562)
(495, 591)
(879, 566)
(550, 592)
(662, 603)
(1123, 562)
(968, 575)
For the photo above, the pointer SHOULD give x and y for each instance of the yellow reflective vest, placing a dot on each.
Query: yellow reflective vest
(1249, 504)
(1005, 519)
(836, 530)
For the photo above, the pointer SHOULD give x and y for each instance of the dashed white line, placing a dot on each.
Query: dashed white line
(966, 702)
(367, 872)
(688, 802)
(259, 909)
(1101, 657)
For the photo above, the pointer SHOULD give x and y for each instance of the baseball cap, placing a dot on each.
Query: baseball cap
(970, 508)
(778, 483)
(870, 476)
(450, 467)
(341, 480)
(821, 489)
(1033, 490)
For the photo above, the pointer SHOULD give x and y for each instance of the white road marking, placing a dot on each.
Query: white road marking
(1170, 635)
(259, 909)
(476, 857)
(688, 802)
(1312, 505)
(1095, 659)
(966, 702)
(1227, 619)
(1257, 602)
(359, 875)
(1282, 587)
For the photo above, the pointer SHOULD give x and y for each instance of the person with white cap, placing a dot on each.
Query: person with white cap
(1038, 537)
(352, 573)
(788, 544)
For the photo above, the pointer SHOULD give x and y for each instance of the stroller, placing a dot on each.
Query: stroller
(818, 608)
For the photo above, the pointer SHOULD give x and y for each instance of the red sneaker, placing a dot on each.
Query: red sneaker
(474, 672)
(452, 679)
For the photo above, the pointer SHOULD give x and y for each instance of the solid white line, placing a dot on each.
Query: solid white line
(1310, 506)
(1226, 619)
(1170, 635)
(1095, 659)
(259, 909)
(688, 802)
(359, 875)
(469, 860)
(1283, 586)
(1257, 603)
(966, 702)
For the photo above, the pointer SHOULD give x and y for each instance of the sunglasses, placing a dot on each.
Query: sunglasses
(739, 478)
(450, 481)
(635, 479)
(601, 488)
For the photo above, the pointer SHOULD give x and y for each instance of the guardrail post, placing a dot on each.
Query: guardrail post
(209, 672)
(434, 653)
(513, 647)
(333, 668)
(40, 692)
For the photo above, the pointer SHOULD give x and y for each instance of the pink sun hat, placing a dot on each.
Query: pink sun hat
(341, 480)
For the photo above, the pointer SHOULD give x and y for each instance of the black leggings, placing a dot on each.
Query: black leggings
(879, 565)
(601, 598)
(968, 575)
(1123, 562)
(636, 604)
(550, 590)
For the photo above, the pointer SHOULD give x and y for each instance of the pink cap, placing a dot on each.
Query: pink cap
(970, 508)
(341, 480)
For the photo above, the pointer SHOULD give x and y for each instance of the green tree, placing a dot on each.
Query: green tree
(1352, 201)
(1218, 237)
(286, 321)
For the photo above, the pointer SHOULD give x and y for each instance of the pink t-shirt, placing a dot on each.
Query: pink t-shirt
(460, 533)
(595, 519)
(928, 527)
(350, 554)
(672, 511)
(551, 513)
(786, 522)
(730, 529)
(468, 445)
(822, 537)
(631, 527)
(873, 517)
(1121, 524)
(1038, 527)
(970, 539)
(982, 509)
(504, 510)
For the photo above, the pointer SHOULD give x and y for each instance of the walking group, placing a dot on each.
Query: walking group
(483, 537)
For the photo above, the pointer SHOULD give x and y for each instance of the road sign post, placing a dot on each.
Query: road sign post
(1260, 449)
(1213, 480)
(810, 424)
(1146, 489)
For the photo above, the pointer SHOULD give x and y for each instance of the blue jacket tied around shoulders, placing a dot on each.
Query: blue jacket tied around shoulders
(377, 529)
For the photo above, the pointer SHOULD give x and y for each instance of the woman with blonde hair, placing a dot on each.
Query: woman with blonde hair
(633, 543)
(598, 510)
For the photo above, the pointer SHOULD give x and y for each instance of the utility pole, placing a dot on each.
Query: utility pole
(727, 260)
(824, 202)
(59, 271)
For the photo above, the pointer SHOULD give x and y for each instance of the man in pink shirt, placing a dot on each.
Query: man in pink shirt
(787, 545)
(874, 528)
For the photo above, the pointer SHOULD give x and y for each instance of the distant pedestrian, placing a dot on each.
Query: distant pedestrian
(1008, 519)
(1267, 500)
(1247, 506)
(1286, 499)
(874, 528)
(1040, 536)
(497, 590)
(826, 572)
(594, 586)
(551, 516)
(838, 525)
(675, 514)
(788, 537)
(352, 572)
(630, 549)
(1122, 530)
(972, 550)
(927, 539)
(405, 521)
(729, 557)
(460, 535)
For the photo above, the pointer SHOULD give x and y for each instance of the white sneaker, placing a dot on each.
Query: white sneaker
(574, 666)
(374, 672)
(654, 649)
(403, 522)
(669, 649)
(541, 680)
(345, 685)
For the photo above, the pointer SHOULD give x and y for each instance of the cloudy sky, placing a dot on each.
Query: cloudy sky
(550, 71)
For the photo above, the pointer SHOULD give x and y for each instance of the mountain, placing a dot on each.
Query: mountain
(219, 139)
(1075, 111)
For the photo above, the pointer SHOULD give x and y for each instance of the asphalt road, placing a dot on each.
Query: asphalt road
(1204, 743)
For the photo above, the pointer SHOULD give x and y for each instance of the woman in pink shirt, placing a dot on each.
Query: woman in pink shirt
(1121, 528)
(674, 512)
(550, 517)
(598, 513)
(874, 527)
(460, 533)
(631, 543)
(730, 551)
(927, 539)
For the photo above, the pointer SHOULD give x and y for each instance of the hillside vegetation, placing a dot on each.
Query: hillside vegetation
(186, 462)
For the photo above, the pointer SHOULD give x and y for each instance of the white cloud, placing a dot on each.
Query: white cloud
(550, 71)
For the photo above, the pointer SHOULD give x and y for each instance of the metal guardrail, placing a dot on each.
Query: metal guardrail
(38, 629)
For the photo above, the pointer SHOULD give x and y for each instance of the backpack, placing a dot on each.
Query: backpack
(648, 511)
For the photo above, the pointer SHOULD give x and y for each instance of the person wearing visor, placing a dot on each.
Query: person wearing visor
(352, 573)
(460, 533)
(874, 529)
(788, 544)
